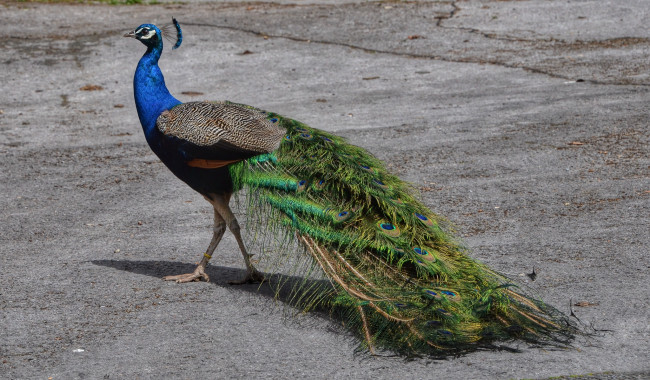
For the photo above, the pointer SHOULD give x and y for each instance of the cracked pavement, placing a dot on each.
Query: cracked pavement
(524, 122)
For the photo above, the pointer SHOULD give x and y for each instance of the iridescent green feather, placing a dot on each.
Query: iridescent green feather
(397, 273)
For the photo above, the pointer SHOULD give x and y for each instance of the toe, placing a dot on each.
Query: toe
(197, 275)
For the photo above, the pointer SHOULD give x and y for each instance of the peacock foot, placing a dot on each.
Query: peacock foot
(252, 277)
(197, 275)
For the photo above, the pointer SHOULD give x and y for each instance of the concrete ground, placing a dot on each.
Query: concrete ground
(524, 122)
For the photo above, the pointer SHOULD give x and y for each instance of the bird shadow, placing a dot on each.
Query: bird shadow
(295, 294)
(281, 288)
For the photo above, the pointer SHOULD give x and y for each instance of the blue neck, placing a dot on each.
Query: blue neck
(151, 94)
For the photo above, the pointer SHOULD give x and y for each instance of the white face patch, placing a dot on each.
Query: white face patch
(150, 33)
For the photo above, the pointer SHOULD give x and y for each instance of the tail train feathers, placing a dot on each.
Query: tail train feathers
(396, 271)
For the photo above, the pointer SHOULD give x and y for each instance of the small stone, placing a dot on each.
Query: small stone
(91, 87)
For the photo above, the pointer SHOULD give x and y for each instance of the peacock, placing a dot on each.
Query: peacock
(395, 272)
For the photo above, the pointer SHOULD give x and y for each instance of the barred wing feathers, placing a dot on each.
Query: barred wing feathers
(215, 125)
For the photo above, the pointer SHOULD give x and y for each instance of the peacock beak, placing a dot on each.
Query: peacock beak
(130, 34)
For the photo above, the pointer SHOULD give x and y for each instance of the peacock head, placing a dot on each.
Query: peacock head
(148, 34)
(151, 36)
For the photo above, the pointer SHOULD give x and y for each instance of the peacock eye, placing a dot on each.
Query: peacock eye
(146, 33)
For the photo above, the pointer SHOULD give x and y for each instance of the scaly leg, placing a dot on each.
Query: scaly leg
(218, 229)
(220, 203)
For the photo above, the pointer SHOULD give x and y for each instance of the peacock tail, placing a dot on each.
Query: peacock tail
(397, 274)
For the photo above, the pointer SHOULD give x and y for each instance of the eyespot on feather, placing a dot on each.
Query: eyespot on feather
(388, 229)
(426, 221)
(318, 185)
(301, 186)
(380, 184)
(451, 296)
(424, 254)
(367, 168)
(440, 294)
(342, 216)
(432, 293)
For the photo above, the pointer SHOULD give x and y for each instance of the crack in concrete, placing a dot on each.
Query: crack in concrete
(455, 9)
(414, 55)
(487, 35)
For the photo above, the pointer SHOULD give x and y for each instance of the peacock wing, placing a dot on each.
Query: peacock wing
(222, 126)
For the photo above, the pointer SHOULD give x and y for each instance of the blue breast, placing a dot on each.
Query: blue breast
(153, 98)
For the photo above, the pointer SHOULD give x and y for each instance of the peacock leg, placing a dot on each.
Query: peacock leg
(220, 203)
(218, 229)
